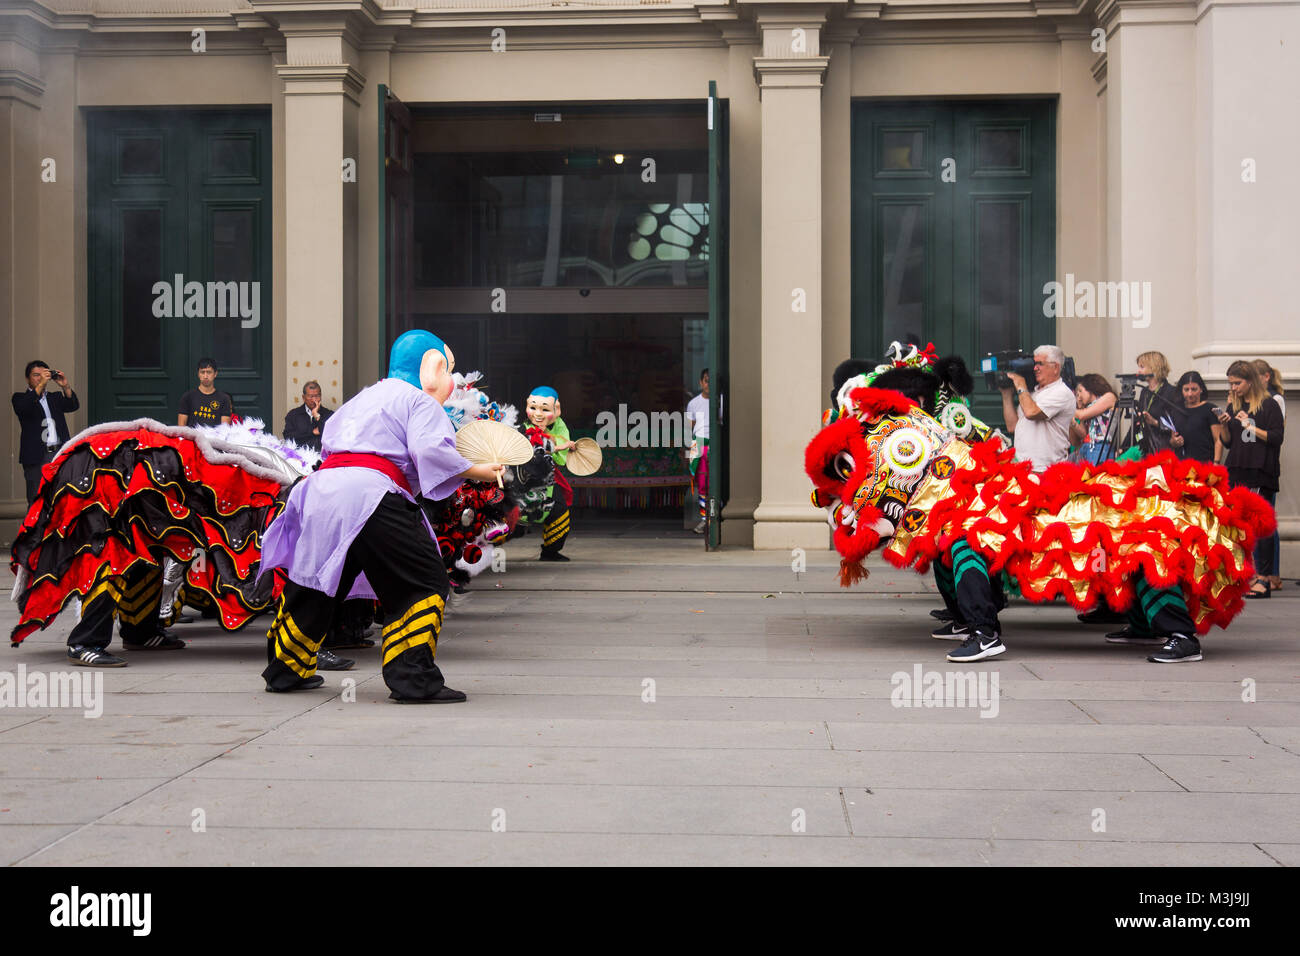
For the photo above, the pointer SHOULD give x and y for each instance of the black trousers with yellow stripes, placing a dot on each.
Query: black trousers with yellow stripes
(556, 528)
(132, 597)
(401, 562)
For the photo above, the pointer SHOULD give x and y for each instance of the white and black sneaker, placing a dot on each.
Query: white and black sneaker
(951, 631)
(160, 640)
(93, 657)
(979, 646)
(329, 661)
(1177, 649)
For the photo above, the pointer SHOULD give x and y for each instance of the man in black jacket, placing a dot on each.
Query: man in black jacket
(40, 412)
(306, 423)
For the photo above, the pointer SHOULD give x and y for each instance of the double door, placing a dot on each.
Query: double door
(179, 259)
(954, 227)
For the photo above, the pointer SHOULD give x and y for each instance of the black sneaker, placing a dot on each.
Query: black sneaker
(952, 631)
(307, 683)
(552, 556)
(329, 661)
(93, 657)
(1102, 614)
(161, 641)
(1128, 635)
(343, 638)
(941, 614)
(1177, 649)
(444, 696)
(977, 647)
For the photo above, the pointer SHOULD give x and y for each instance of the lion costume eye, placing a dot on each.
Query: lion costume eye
(843, 466)
(905, 452)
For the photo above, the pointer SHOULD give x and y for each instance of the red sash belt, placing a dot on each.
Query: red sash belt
(350, 459)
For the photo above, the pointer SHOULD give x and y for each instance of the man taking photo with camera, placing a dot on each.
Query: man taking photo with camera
(1039, 420)
(40, 411)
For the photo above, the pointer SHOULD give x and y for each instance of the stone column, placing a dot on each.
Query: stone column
(789, 74)
(322, 91)
(21, 91)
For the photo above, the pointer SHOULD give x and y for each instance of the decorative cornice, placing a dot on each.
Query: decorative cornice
(790, 72)
(322, 80)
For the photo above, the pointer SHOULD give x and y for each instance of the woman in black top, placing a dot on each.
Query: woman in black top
(1158, 400)
(1254, 439)
(1199, 437)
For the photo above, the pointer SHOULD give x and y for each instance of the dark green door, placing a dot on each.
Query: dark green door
(179, 259)
(954, 227)
(719, 328)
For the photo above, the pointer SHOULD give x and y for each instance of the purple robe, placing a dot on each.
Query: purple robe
(326, 511)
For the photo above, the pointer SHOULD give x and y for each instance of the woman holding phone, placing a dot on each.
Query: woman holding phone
(1254, 426)
(1201, 435)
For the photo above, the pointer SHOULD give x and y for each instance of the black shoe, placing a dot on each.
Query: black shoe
(444, 696)
(93, 657)
(1101, 614)
(307, 683)
(329, 661)
(979, 646)
(346, 638)
(161, 641)
(184, 619)
(941, 614)
(952, 631)
(552, 556)
(1128, 635)
(1177, 649)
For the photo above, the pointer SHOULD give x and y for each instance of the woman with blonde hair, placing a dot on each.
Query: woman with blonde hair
(1160, 400)
(1272, 379)
(1253, 435)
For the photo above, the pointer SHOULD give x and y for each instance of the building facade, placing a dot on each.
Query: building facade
(329, 172)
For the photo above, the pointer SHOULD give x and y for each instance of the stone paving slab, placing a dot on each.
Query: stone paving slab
(1172, 817)
(764, 706)
(645, 767)
(107, 844)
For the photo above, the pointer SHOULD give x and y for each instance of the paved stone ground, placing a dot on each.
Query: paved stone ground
(771, 707)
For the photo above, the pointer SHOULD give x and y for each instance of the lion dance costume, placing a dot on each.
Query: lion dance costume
(127, 505)
(1167, 540)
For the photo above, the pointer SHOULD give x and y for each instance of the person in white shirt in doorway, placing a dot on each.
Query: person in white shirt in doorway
(1039, 421)
(697, 415)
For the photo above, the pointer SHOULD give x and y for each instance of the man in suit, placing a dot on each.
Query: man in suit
(40, 412)
(305, 424)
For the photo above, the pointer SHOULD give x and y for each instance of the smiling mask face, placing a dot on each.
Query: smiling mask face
(542, 410)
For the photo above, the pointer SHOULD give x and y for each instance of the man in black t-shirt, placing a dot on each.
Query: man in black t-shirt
(205, 405)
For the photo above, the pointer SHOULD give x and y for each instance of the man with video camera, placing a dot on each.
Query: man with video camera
(1039, 421)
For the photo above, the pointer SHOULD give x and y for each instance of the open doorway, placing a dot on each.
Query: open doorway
(566, 245)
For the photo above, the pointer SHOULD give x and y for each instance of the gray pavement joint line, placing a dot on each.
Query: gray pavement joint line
(1267, 854)
(829, 740)
(1161, 770)
(1271, 744)
(844, 805)
(1031, 672)
(25, 723)
(1084, 712)
(173, 779)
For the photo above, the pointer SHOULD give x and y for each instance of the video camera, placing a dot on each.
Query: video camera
(997, 365)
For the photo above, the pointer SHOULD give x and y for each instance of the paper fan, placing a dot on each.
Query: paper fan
(485, 442)
(585, 459)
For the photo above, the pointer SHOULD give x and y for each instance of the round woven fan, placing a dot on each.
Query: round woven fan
(485, 442)
(585, 459)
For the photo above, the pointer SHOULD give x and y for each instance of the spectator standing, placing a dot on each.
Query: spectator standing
(1039, 421)
(1273, 382)
(43, 428)
(1254, 438)
(205, 405)
(1158, 400)
(697, 415)
(306, 423)
(1095, 400)
(1199, 436)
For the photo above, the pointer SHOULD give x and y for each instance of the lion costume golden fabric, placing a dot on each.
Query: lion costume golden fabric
(1083, 532)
